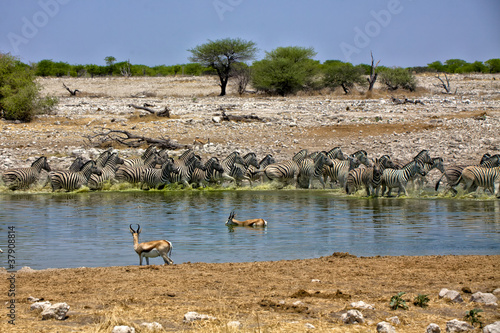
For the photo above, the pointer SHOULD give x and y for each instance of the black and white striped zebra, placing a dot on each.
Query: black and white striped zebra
(108, 172)
(436, 163)
(310, 169)
(23, 178)
(474, 177)
(157, 178)
(182, 172)
(133, 174)
(227, 164)
(335, 153)
(399, 178)
(71, 181)
(339, 170)
(453, 172)
(370, 177)
(285, 172)
(140, 161)
(238, 170)
(255, 173)
(202, 177)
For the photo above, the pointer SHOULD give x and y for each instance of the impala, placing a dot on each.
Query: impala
(151, 249)
(231, 221)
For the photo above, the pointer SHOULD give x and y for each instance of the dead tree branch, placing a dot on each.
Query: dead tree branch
(160, 113)
(446, 86)
(373, 75)
(398, 101)
(109, 136)
(244, 118)
(72, 92)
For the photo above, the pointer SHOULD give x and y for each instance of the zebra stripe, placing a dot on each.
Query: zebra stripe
(182, 172)
(370, 177)
(285, 172)
(310, 169)
(201, 177)
(392, 178)
(340, 170)
(71, 181)
(437, 163)
(108, 173)
(255, 173)
(132, 175)
(22, 178)
(157, 178)
(477, 176)
(335, 153)
(139, 161)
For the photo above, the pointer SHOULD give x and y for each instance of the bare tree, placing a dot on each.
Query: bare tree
(446, 86)
(373, 74)
(72, 92)
(125, 70)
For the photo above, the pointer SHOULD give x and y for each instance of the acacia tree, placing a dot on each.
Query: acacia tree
(344, 75)
(221, 55)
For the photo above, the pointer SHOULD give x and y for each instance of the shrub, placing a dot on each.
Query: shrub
(421, 300)
(398, 78)
(473, 316)
(397, 301)
(19, 92)
(285, 70)
(343, 75)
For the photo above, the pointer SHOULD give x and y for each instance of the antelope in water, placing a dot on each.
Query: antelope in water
(231, 221)
(151, 249)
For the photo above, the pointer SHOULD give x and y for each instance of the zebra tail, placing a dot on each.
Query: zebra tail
(439, 180)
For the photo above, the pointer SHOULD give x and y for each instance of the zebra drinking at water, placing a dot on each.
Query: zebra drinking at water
(108, 173)
(71, 181)
(23, 178)
(182, 172)
(310, 169)
(201, 177)
(370, 177)
(477, 176)
(157, 178)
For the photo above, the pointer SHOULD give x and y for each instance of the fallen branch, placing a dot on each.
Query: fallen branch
(406, 101)
(72, 92)
(244, 118)
(160, 113)
(129, 139)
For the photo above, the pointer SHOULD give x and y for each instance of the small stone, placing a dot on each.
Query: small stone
(456, 325)
(235, 324)
(385, 327)
(153, 326)
(309, 326)
(57, 311)
(193, 316)
(394, 320)
(433, 328)
(362, 306)
(492, 328)
(40, 305)
(452, 295)
(352, 317)
(123, 329)
(485, 298)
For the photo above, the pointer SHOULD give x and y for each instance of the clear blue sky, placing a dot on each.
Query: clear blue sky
(399, 32)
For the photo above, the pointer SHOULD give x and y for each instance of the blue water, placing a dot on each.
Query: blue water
(92, 229)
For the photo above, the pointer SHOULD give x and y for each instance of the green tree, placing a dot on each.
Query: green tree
(19, 92)
(493, 65)
(285, 70)
(437, 65)
(110, 62)
(344, 75)
(452, 65)
(221, 54)
(398, 78)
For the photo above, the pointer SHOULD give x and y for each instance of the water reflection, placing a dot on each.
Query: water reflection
(91, 229)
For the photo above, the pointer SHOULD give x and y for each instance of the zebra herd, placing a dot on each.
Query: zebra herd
(354, 172)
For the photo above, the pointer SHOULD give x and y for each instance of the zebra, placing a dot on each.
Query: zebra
(399, 178)
(453, 173)
(298, 157)
(101, 160)
(201, 177)
(108, 173)
(477, 176)
(422, 157)
(71, 181)
(77, 164)
(370, 177)
(238, 170)
(437, 163)
(227, 164)
(22, 178)
(157, 178)
(255, 173)
(132, 174)
(285, 171)
(140, 161)
(182, 172)
(310, 169)
(362, 157)
(340, 170)
(335, 153)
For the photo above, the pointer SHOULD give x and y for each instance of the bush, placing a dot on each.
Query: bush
(285, 70)
(19, 92)
(397, 301)
(343, 75)
(398, 78)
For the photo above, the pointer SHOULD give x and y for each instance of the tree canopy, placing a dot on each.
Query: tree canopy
(221, 54)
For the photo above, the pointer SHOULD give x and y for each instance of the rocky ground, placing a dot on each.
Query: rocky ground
(459, 127)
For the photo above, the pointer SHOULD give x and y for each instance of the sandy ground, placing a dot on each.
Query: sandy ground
(264, 296)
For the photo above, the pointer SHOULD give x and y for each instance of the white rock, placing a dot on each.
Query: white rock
(123, 329)
(216, 119)
(153, 326)
(485, 298)
(452, 295)
(309, 326)
(57, 311)
(193, 316)
(394, 320)
(492, 328)
(40, 305)
(385, 327)
(234, 324)
(362, 306)
(496, 292)
(30, 298)
(433, 328)
(315, 280)
(352, 317)
(456, 325)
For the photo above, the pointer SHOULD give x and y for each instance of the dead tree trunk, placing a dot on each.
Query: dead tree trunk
(108, 137)
(445, 86)
(373, 75)
(72, 92)
(161, 113)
